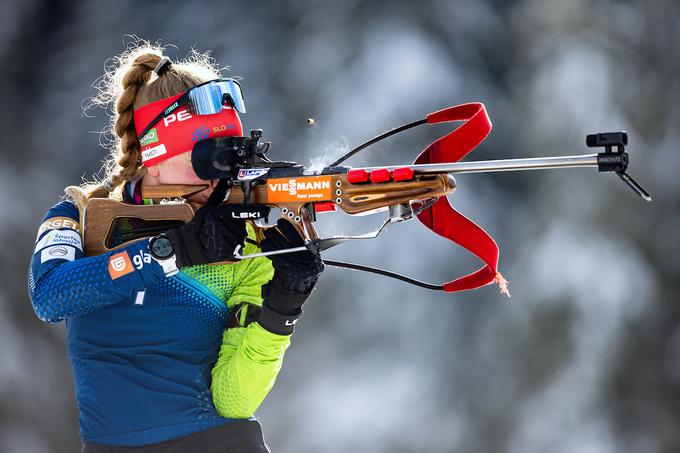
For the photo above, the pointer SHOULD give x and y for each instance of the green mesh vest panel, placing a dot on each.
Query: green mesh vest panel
(238, 282)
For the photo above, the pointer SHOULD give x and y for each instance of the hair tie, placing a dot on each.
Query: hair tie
(162, 66)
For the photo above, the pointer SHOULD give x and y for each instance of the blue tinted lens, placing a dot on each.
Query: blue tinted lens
(208, 99)
(234, 89)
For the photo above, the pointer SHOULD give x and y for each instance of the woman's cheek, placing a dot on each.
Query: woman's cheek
(190, 176)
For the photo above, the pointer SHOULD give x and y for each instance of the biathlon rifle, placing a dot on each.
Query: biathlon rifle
(251, 185)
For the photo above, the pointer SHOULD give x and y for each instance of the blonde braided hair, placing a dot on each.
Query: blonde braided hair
(128, 84)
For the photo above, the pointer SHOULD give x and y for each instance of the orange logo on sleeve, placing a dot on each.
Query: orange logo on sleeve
(304, 188)
(119, 265)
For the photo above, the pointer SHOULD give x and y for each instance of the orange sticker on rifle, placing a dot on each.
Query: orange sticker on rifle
(303, 188)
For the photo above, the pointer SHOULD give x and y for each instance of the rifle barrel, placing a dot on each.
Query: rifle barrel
(486, 166)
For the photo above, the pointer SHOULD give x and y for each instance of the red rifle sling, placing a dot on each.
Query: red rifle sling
(442, 218)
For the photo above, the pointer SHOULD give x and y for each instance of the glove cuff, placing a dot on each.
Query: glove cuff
(276, 322)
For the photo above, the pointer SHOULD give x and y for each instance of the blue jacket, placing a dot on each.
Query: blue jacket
(142, 345)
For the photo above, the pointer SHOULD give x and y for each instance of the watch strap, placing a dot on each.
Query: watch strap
(169, 265)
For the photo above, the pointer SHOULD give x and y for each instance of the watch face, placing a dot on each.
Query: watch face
(161, 248)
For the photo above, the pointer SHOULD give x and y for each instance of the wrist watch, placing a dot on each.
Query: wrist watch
(163, 253)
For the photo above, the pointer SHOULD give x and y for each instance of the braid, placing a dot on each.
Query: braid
(126, 86)
(130, 149)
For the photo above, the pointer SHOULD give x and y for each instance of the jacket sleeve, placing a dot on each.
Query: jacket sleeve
(62, 282)
(250, 357)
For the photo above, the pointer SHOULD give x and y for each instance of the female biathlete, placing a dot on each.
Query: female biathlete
(170, 353)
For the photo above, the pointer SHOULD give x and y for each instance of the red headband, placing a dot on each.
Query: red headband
(178, 132)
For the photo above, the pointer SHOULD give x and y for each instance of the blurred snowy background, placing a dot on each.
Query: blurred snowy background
(585, 357)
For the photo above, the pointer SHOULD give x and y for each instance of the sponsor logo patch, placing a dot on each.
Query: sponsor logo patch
(55, 223)
(58, 252)
(316, 188)
(141, 258)
(182, 115)
(149, 138)
(119, 265)
(201, 133)
(61, 237)
(246, 174)
(222, 128)
(156, 151)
